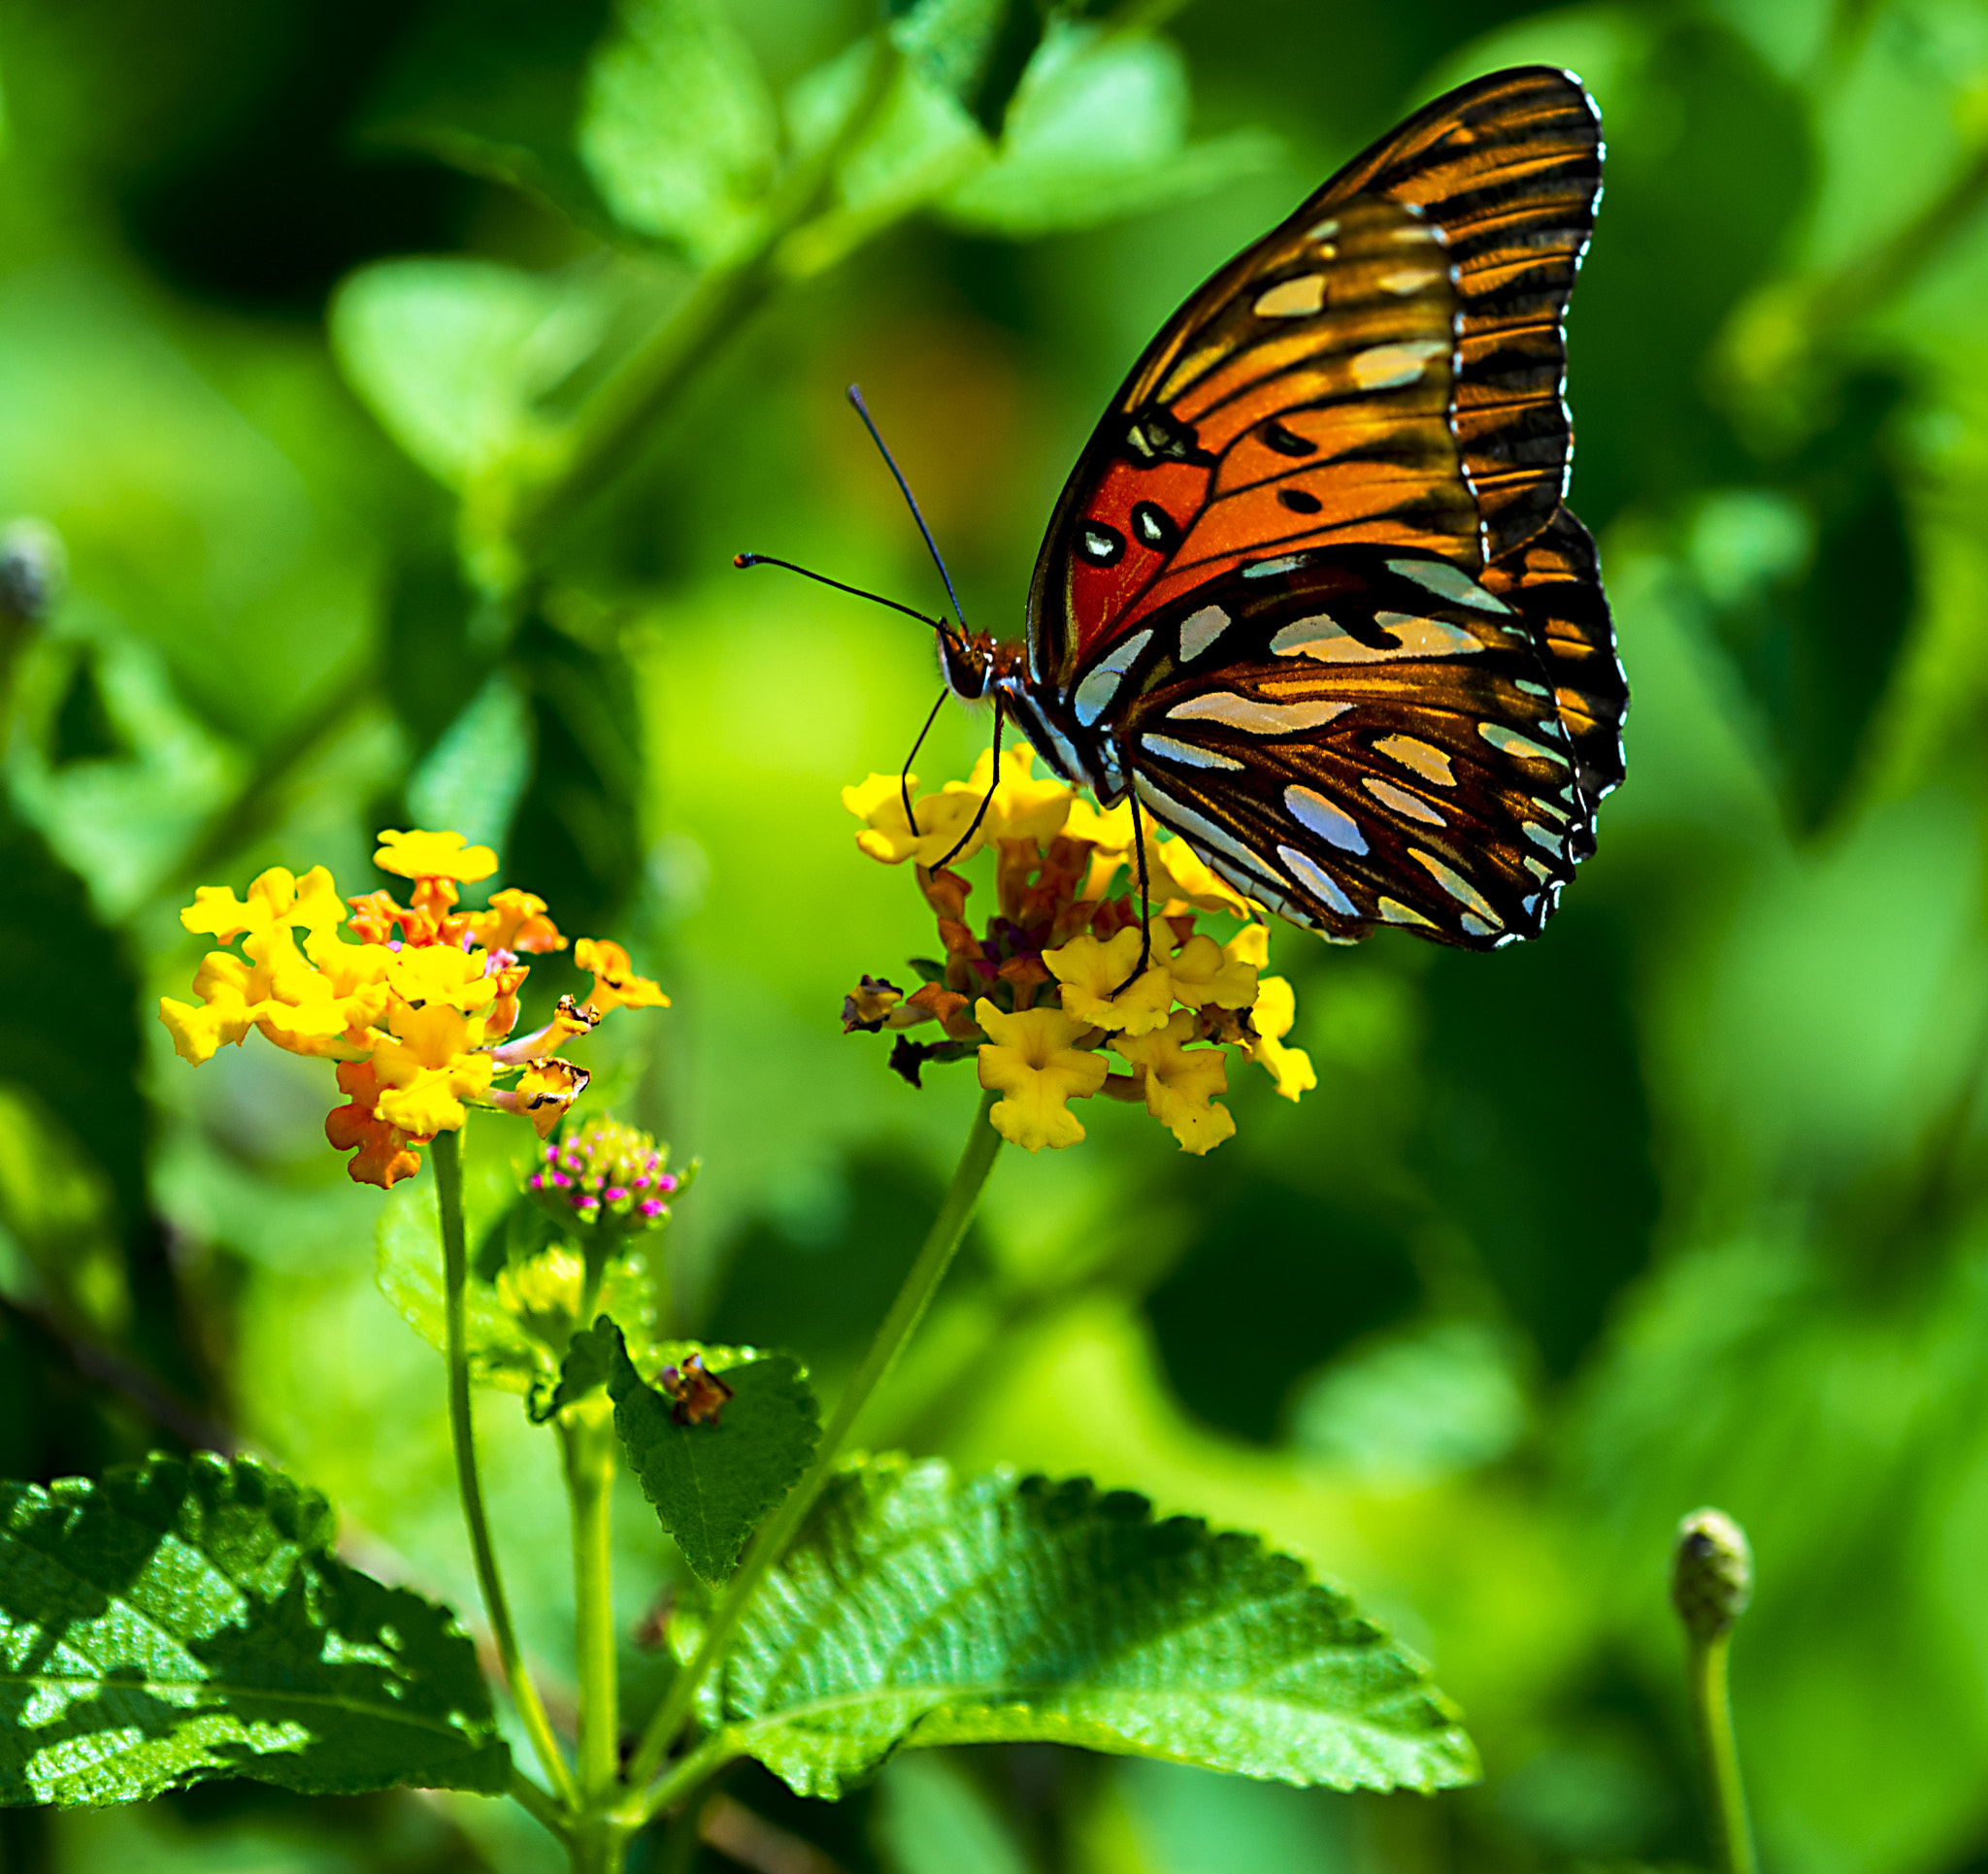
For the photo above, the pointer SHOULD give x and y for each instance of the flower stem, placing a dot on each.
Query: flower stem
(587, 1435)
(942, 1243)
(1711, 1713)
(455, 1273)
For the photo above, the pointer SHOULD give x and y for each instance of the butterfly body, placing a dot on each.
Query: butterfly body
(1311, 594)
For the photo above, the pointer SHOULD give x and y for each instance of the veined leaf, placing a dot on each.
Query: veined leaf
(679, 133)
(180, 1621)
(710, 1484)
(1098, 128)
(917, 1611)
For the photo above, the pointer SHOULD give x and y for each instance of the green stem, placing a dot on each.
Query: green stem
(538, 1804)
(942, 1243)
(1711, 1713)
(610, 424)
(455, 1274)
(587, 1436)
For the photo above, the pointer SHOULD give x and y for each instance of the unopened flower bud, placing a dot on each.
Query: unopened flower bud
(33, 570)
(1711, 1573)
(603, 1174)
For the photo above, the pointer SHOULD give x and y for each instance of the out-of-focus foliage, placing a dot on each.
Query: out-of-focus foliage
(302, 308)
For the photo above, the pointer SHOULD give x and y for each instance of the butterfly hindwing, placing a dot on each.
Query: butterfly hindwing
(1361, 740)
(1554, 582)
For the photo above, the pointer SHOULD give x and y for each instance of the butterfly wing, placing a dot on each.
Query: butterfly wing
(1363, 740)
(1311, 587)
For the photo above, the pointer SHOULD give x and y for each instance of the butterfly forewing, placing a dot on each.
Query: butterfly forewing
(1365, 741)
(1310, 407)
(1510, 169)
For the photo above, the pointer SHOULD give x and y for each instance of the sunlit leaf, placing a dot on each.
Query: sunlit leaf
(450, 355)
(182, 1621)
(917, 1611)
(679, 132)
(1097, 128)
(710, 1484)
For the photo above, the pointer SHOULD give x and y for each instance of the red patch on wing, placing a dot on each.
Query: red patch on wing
(1102, 596)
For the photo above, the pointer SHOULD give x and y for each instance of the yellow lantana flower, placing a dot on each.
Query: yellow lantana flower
(1033, 1058)
(1066, 923)
(417, 1021)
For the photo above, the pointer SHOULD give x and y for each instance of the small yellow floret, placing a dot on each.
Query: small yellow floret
(1031, 1059)
(1204, 973)
(1276, 1008)
(1182, 1082)
(615, 983)
(434, 855)
(1022, 808)
(1090, 972)
(887, 836)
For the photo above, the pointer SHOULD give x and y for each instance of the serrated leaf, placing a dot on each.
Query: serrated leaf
(711, 1484)
(1098, 128)
(679, 133)
(186, 1620)
(916, 1611)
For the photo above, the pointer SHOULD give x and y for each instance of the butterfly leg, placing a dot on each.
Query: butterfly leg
(1145, 896)
(987, 800)
(904, 777)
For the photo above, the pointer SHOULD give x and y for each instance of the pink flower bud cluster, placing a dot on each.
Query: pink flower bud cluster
(606, 1173)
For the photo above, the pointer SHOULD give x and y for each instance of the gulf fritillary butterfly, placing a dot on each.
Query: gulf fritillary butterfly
(1311, 594)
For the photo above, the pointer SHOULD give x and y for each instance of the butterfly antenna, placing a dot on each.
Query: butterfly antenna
(862, 409)
(1145, 899)
(940, 625)
(987, 799)
(904, 778)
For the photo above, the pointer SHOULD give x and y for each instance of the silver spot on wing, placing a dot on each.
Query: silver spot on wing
(1401, 801)
(1187, 754)
(1095, 693)
(1200, 628)
(1321, 884)
(1447, 581)
(1329, 822)
(1258, 718)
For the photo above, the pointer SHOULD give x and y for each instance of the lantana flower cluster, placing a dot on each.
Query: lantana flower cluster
(415, 1002)
(1041, 996)
(607, 1178)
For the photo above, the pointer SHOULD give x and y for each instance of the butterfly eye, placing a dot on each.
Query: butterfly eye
(1154, 527)
(1100, 544)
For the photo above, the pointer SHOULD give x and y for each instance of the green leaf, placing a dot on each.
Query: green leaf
(916, 1611)
(451, 355)
(179, 1621)
(679, 133)
(710, 1484)
(1097, 129)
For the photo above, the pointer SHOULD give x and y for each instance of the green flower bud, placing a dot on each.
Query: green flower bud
(1712, 1574)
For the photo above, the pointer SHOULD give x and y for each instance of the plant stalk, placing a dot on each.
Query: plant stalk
(1711, 1715)
(587, 1435)
(447, 1153)
(942, 1243)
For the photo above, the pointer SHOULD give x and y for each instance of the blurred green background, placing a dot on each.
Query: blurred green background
(1684, 1203)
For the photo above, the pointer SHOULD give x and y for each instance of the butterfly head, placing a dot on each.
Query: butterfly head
(974, 662)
